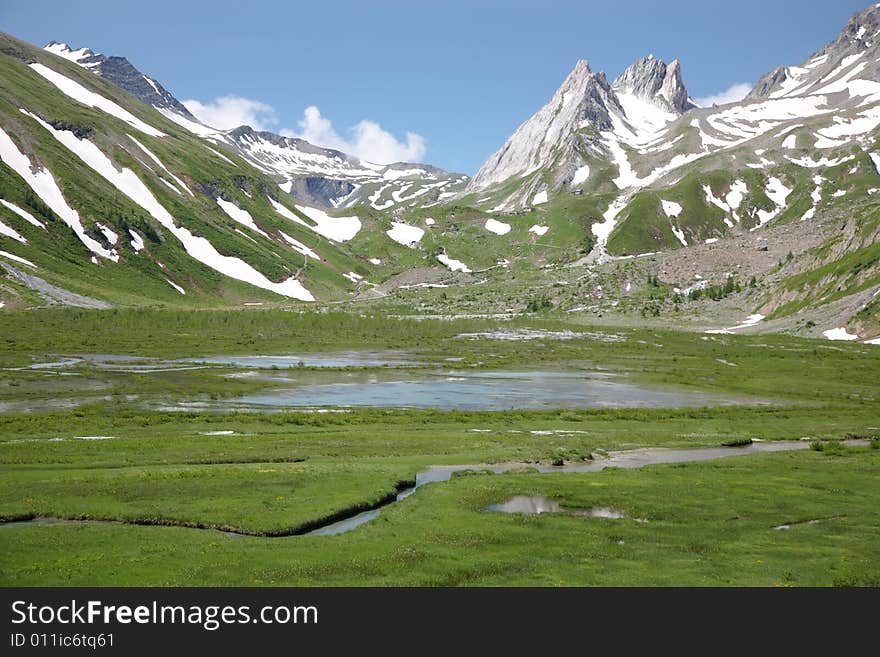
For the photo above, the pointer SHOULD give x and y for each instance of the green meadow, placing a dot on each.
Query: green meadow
(100, 486)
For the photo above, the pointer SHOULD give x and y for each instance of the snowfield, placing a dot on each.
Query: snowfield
(298, 246)
(580, 175)
(8, 231)
(452, 264)
(751, 320)
(405, 234)
(47, 190)
(839, 334)
(199, 248)
(16, 258)
(175, 286)
(155, 159)
(241, 216)
(497, 227)
(27, 216)
(778, 193)
(671, 208)
(137, 242)
(80, 94)
(338, 229)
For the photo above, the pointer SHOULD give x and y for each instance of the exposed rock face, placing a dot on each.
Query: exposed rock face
(653, 80)
(318, 176)
(573, 123)
(769, 83)
(860, 36)
(332, 179)
(583, 100)
(123, 74)
(323, 192)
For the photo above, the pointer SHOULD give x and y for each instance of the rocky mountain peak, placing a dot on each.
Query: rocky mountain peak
(123, 74)
(583, 99)
(861, 30)
(654, 80)
(861, 34)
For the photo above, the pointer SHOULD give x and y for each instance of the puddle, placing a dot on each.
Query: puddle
(27, 406)
(636, 458)
(124, 363)
(483, 391)
(330, 360)
(536, 505)
(799, 523)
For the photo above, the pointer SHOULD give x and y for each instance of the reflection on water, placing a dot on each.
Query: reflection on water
(538, 504)
(335, 359)
(479, 391)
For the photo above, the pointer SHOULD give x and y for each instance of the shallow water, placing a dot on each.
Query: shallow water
(630, 459)
(486, 391)
(122, 362)
(637, 458)
(538, 504)
(334, 359)
(346, 525)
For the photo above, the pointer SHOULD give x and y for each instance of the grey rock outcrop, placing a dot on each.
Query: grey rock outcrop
(859, 36)
(123, 74)
(658, 82)
(584, 100)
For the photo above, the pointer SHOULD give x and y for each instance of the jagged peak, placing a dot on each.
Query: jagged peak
(578, 76)
(64, 50)
(654, 80)
(861, 32)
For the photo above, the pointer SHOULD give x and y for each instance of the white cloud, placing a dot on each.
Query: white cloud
(732, 94)
(367, 140)
(229, 112)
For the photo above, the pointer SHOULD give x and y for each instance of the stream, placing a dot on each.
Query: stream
(630, 459)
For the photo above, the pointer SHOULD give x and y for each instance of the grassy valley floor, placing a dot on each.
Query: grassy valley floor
(108, 455)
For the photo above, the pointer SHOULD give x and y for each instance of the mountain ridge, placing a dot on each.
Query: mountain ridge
(612, 182)
(315, 175)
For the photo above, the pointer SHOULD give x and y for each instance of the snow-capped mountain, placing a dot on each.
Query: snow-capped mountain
(584, 99)
(658, 83)
(648, 130)
(586, 120)
(314, 175)
(851, 54)
(110, 191)
(124, 75)
(333, 179)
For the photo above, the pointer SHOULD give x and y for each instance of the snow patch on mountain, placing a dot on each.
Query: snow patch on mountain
(15, 258)
(338, 229)
(671, 208)
(79, 93)
(44, 186)
(497, 227)
(840, 334)
(199, 248)
(452, 264)
(241, 216)
(155, 159)
(405, 234)
(581, 175)
(24, 214)
(8, 231)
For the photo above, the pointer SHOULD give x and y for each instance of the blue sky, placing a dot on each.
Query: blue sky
(444, 81)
